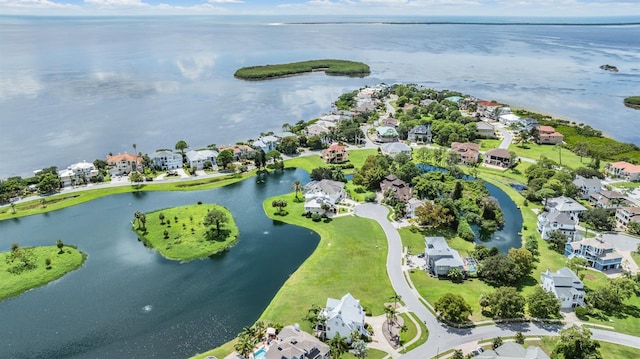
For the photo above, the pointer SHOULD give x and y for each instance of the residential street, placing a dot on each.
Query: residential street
(441, 337)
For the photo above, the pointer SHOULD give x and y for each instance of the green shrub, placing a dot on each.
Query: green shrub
(371, 197)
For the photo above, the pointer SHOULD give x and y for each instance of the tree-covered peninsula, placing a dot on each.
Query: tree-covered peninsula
(187, 232)
(25, 268)
(633, 102)
(330, 67)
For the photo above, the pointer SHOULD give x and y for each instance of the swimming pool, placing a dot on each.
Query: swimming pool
(260, 354)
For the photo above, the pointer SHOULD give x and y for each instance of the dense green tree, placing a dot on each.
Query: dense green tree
(633, 228)
(432, 215)
(464, 230)
(453, 308)
(519, 338)
(456, 275)
(543, 304)
(506, 302)
(320, 173)
(359, 348)
(497, 342)
(611, 297)
(136, 177)
(338, 346)
(215, 217)
(457, 354)
(407, 172)
(60, 245)
(523, 260)
(598, 218)
(557, 240)
(181, 146)
(315, 143)
(48, 183)
(224, 158)
(372, 172)
(577, 264)
(289, 145)
(576, 343)
(498, 270)
(279, 204)
(274, 156)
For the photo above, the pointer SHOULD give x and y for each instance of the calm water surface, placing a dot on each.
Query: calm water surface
(129, 302)
(74, 89)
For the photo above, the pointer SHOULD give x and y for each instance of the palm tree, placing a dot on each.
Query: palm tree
(391, 314)
(135, 147)
(43, 202)
(396, 298)
(161, 216)
(338, 346)
(13, 208)
(244, 346)
(143, 221)
(297, 187)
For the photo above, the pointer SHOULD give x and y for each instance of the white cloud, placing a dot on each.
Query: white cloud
(194, 66)
(21, 85)
(226, 1)
(34, 4)
(116, 2)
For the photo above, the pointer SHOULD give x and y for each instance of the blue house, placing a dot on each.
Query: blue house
(598, 253)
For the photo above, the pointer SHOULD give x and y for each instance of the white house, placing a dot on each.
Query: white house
(342, 316)
(557, 221)
(167, 160)
(325, 192)
(565, 285)
(625, 215)
(587, 186)
(266, 143)
(440, 257)
(395, 148)
(566, 205)
(77, 173)
(197, 159)
(509, 119)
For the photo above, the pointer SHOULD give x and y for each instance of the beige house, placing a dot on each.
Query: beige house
(624, 170)
(123, 164)
(498, 157)
(549, 136)
(469, 152)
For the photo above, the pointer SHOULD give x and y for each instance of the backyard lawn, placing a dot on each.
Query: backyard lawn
(563, 157)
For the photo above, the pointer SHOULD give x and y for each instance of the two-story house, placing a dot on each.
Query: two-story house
(498, 157)
(622, 169)
(609, 199)
(600, 254)
(77, 173)
(557, 221)
(421, 133)
(548, 135)
(485, 129)
(124, 164)
(166, 160)
(440, 257)
(625, 215)
(386, 134)
(398, 188)
(197, 159)
(323, 194)
(587, 186)
(395, 148)
(342, 316)
(335, 154)
(469, 152)
(566, 205)
(565, 285)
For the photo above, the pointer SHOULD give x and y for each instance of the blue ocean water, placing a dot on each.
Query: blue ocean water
(74, 88)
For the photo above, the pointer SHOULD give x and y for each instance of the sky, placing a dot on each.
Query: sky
(543, 8)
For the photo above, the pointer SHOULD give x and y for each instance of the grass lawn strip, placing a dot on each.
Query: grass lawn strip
(61, 264)
(188, 237)
(608, 350)
(65, 200)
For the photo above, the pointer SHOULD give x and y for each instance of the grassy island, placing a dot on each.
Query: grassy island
(25, 268)
(633, 102)
(187, 232)
(330, 67)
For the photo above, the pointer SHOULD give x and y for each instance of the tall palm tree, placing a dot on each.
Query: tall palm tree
(338, 345)
(396, 298)
(297, 187)
(244, 346)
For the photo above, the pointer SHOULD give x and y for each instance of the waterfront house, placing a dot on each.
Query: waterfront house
(566, 205)
(609, 199)
(266, 143)
(488, 109)
(497, 157)
(529, 123)
(469, 152)
(509, 119)
(440, 257)
(548, 135)
(293, 343)
(421, 133)
(625, 215)
(587, 186)
(321, 128)
(398, 188)
(485, 129)
(565, 285)
(395, 148)
(322, 194)
(557, 221)
(365, 107)
(123, 164)
(197, 159)
(343, 316)
(166, 160)
(513, 350)
(624, 170)
(335, 154)
(600, 254)
(386, 134)
(240, 152)
(77, 173)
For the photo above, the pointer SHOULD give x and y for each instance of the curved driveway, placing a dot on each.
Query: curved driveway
(442, 338)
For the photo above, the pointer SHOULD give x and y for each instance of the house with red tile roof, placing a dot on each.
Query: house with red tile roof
(335, 154)
(549, 136)
(622, 169)
(488, 108)
(124, 164)
(240, 152)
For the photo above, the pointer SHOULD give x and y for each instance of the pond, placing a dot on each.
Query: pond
(509, 235)
(127, 301)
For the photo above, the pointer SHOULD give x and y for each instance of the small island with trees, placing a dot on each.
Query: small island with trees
(25, 268)
(187, 232)
(633, 102)
(328, 66)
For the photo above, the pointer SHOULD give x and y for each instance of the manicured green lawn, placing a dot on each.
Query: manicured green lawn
(15, 284)
(307, 163)
(186, 236)
(350, 257)
(489, 144)
(535, 151)
(357, 157)
(64, 200)
(424, 335)
(360, 197)
(608, 350)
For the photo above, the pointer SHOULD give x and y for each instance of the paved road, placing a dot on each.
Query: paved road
(507, 137)
(442, 338)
